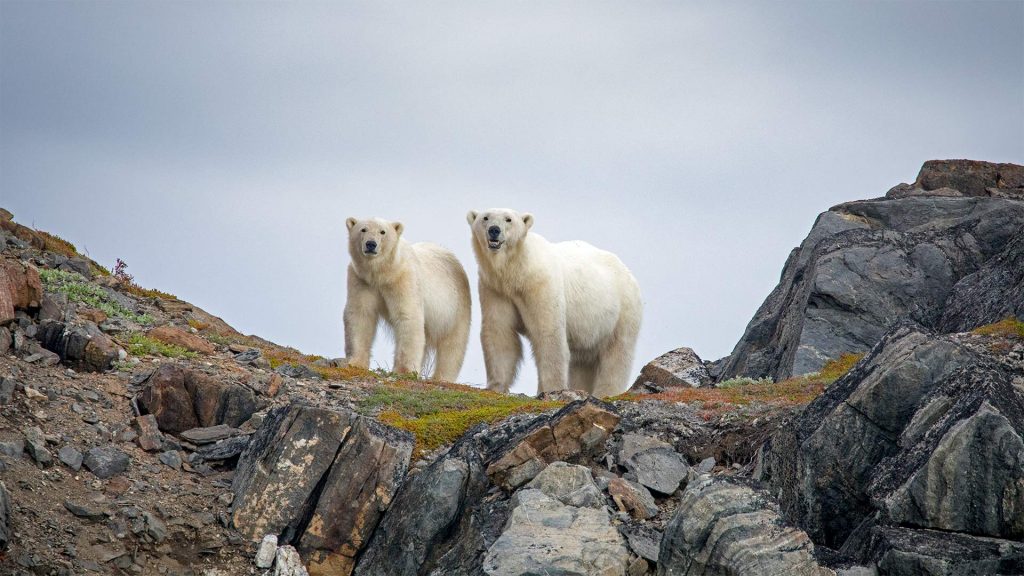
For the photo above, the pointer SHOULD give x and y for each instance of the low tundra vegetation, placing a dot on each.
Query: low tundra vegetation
(1009, 327)
(138, 344)
(81, 291)
(736, 392)
(438, 413)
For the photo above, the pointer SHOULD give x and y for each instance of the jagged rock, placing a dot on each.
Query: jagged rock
(645, 542)
(13, 448)
(209, 434)
(54, 307)
(569, 484)
(995, 291)
(35, 443)
(71, 457)
(106, 461)
(722, 527)
(224, 449)
(7, 387)
(83, 511)
(925, 432)
(864, 265)
(267, 551)
(82, 347)
(288, 562)
(656, 464)
(579, 429)
(181, 399)
(321, 479)
(171, 459)
(150, 439)
(680, 367)
(544, 536)
(971, 177)
(425, 513)
(297, 371)
(910, 552)
(178, 337)
(20, 288)
(632, 498)
(5, 517)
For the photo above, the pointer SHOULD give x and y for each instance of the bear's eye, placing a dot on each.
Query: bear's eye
(382, 232)
(364, 229)
(485, 218)
(508, 219)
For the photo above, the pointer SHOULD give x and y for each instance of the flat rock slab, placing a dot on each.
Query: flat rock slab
(106, 461)
(210, 434)
(321, 479)
(544, 536)
(577, 430)
(655, 463)
(678, 368)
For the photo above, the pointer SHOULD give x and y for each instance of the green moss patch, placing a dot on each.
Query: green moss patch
(139, 344)
(1009, 327)
(81, 291)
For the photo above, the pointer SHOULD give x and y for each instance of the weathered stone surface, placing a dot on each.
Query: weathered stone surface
(971, 177)
(224, 449)
(267, 551)
(71, 457)
(632, 498)
(35, 443)
(867, 264)
(5, 517)
(578, 429)
(569, 484)
(680, 367)
(426, 512)
(181, 399)
(910, 552)
(106, 461)
(656, 464)
(24, 289)
(993, 292)
(209, 434)
(725, 528)
(288, 562)
(178, 337)
(544, 536)
(82, 347)
(150, 439)
(7, 387)
(321, 479)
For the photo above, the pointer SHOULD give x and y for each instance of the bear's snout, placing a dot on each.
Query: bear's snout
(494, 232)
(371, 246)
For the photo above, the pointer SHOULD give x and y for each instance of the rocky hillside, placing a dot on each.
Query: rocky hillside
(879, 431)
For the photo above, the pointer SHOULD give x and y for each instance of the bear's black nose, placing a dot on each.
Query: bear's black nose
(493, 232)
(371, 245)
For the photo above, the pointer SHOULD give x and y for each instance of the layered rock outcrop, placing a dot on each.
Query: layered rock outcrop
(947, 261)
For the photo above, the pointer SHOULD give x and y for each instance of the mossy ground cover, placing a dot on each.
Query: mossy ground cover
(438, 413)
(138, 344)
(81, 291)
(1009, 327)
(737, 392)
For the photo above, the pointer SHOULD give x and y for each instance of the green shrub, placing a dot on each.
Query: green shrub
(81, 291)
(141, 345)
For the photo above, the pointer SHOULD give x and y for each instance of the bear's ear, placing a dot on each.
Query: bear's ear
(398, 226)
(350, 222)
(471, 217)
(528, 220)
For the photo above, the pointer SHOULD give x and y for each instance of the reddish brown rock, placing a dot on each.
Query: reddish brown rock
(181, 399)
(632, 498)
(576, 430)
(92, 315)
(20, 288)
(178, 337)
(150, 438)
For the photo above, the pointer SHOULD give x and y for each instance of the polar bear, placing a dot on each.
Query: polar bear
(579, 306)
(420, 290)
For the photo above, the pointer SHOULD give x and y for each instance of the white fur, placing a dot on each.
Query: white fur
(420, 290)
(579, 306)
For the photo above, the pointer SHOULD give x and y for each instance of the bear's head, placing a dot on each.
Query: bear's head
(499, 229)
(372, 238)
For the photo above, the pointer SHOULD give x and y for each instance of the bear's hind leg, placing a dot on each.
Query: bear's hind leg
(450, 352)
(581, 376)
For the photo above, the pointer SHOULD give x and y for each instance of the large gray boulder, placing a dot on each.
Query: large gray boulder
(5, 517)
(320, 480)
(545, 536)
(674, 369)
(727, 528)
(867, 264)
(926, 432)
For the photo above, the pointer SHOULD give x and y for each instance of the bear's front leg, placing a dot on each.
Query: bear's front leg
(362, 312)
(500, 339)
(405, 311)
(545, 325)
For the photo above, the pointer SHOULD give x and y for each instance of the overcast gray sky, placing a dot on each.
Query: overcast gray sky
(219, 147)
